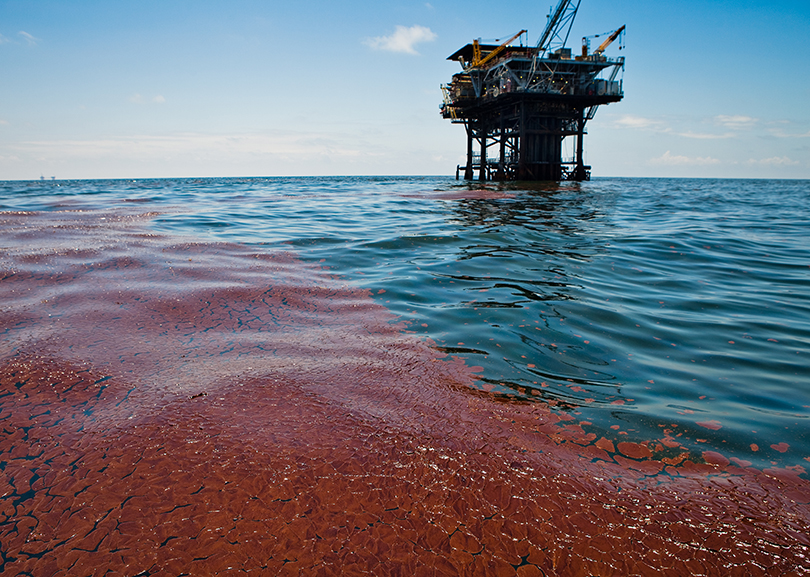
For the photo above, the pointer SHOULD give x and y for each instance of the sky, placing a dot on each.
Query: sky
(174, 88)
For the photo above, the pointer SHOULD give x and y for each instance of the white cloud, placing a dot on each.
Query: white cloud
(775, 161)
(637, 122)
(3, 39)
(32, 41)
(735, 121)
(668, 159)
(706, 136)
(2, 121)
(159, 99)
(403, 39)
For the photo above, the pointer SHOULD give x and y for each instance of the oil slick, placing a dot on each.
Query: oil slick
(246, 412)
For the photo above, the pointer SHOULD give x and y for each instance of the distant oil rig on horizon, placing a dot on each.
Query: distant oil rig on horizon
(525, 101)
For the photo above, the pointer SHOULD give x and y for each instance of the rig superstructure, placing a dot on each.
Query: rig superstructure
(523, 101)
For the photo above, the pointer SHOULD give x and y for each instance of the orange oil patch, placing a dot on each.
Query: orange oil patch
(713, 425)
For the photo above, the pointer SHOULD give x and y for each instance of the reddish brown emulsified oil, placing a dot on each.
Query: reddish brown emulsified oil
(197, 409)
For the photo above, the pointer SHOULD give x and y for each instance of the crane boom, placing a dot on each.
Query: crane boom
(609, 41)
(478, 61)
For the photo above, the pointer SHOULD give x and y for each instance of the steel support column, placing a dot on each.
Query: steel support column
(468, 169)
(579, 171)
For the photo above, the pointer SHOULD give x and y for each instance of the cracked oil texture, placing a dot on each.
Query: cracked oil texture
(172, 408)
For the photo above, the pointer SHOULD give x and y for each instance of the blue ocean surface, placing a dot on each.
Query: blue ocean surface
(649, 305)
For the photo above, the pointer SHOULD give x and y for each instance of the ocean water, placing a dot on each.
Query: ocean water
(681, 304)
(387, 376)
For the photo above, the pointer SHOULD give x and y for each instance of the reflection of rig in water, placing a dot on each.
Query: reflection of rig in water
(526, 100)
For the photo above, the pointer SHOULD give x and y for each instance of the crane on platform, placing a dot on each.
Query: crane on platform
(561, 19)
(555, 34)
(609, 41)
(478, 61)
(586, 44)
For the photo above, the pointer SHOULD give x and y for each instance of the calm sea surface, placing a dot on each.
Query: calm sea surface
(645, 303)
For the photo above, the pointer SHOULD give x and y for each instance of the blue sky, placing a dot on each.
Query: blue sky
(124, 89)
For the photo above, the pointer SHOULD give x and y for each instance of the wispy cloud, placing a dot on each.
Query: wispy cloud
(3, 39)
(706, 136)
(403, 39)
(774, 161)
(137, 98)
(638, 122)
(30, 39)
(735, 121)
(782, 134)
(732, 124)
(674, 160)
(196, 145)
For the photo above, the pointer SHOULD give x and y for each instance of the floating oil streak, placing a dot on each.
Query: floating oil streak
(192, 389)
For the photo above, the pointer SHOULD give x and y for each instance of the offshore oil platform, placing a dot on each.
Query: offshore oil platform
(519, 103)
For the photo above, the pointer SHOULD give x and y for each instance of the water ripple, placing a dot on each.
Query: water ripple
(647, 302)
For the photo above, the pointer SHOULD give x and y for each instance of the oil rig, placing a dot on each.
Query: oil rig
(519, 103)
